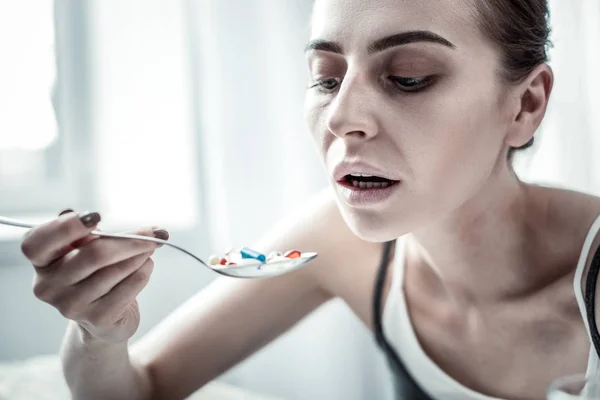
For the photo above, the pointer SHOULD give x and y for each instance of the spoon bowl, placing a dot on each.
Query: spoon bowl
(258, 270)
(264, 270)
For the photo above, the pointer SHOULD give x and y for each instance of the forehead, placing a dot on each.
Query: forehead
(356, 21)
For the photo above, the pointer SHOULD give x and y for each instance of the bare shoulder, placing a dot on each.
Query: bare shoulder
(572, 215)
(584, 210)
(568, 211)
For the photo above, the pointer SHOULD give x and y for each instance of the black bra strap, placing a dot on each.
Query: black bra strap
(378, 293)
(406, 387)
(590, 300)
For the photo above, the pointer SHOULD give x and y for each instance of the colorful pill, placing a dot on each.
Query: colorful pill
(223, 261)
(249, 253)
(213, 260)
(293, 254)
(231, 264)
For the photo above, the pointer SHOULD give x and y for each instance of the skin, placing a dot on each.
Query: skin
(489, 259)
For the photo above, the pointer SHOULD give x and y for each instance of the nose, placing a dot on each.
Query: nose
(351, 114)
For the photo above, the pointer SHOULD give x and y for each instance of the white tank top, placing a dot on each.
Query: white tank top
(433, 380)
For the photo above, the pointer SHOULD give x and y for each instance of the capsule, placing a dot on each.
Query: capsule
(249, 253)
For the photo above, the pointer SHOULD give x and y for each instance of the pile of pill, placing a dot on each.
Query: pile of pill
(246, 256)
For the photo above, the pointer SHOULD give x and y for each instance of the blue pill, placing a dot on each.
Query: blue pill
(249, 253)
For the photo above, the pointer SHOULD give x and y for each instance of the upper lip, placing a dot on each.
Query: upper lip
(360, 167)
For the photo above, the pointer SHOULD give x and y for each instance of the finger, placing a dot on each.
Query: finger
(104, 280)
(49, 241)
(66, 248)
(108, 308)
(65, 211)
(80, 242)
(104, 252)
(53, 285)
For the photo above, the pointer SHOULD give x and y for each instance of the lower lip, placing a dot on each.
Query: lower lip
(354, 196)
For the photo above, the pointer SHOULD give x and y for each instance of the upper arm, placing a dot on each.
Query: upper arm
(232, 318)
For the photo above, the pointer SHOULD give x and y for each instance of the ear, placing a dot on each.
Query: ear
(532, 101)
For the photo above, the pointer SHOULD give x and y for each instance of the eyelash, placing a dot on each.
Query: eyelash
(422, 84)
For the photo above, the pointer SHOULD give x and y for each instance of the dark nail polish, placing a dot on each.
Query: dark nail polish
(89, 219)
(161, 234)
(65, 211)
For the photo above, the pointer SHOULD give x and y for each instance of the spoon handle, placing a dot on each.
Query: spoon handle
(14, 222)
(21, 224)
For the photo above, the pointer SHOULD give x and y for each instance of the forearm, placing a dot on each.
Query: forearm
(97, 370)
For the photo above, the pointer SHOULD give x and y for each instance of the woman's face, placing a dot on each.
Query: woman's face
(409, 91)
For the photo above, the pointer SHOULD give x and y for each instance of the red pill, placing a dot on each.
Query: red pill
(223, 261)
(231, 264)
(293, 254)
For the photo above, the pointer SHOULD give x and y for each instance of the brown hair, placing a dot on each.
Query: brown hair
(520, 30)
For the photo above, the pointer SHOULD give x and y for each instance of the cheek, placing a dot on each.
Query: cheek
(315, 117)
(459, 142)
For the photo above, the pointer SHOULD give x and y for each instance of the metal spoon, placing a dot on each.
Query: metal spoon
(255, 271)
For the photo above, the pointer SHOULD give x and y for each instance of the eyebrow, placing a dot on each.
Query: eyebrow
(384, 43)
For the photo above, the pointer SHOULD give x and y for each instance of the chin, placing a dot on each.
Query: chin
(370, 226)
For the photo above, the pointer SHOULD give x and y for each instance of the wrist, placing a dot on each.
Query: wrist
(86, 339)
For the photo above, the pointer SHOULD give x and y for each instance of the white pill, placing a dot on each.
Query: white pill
(279, 258)
(246, 261)
(234, 256)
(214, 260)
(273, 254)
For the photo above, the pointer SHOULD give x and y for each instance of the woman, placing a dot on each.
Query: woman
(416, 108)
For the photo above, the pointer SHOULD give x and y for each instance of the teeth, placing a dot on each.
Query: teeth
(369, 185)
(363, 175)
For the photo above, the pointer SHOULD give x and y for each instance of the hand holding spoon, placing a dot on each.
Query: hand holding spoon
(255, 270)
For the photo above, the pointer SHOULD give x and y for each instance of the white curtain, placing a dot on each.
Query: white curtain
(24, 86)
(568, 143)
(260, 162)
(143, 137)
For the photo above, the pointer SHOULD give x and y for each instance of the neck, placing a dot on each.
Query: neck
(477, 252)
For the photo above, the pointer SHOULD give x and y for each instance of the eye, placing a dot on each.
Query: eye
(326, 85)
(411, 84)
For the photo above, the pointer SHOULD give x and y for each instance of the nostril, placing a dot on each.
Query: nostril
(359, 134)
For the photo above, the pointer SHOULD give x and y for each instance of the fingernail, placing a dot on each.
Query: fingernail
(161, 234)
(89, 219)
(65, 211)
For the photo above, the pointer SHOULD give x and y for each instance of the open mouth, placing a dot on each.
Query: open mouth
(365, 182)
